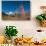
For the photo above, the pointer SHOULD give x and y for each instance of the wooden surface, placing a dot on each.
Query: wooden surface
(31, 45)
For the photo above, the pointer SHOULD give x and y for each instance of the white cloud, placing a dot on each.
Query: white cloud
(10, 13)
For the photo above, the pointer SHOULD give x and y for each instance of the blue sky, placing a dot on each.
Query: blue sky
(15, 0)
(15, 6)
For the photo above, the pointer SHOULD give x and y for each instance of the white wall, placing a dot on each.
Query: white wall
(27, 28)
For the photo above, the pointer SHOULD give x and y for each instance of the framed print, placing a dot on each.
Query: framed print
(15, 10)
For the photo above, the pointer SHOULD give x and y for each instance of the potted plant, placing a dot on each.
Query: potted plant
(10, 31)
(42, 17)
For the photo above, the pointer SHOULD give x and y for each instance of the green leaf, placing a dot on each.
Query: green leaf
(40, 18)
(45, 17)
(10, 31)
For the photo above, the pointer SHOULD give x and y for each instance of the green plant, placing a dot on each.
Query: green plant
(41, 17)
(11, 31)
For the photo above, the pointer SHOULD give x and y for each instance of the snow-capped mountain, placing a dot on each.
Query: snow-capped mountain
(10, 13)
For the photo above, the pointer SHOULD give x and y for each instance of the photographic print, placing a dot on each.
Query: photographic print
(16, 10)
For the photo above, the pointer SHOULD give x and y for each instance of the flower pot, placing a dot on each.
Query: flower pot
(13, 38)
(9, 41)
(43, 23)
